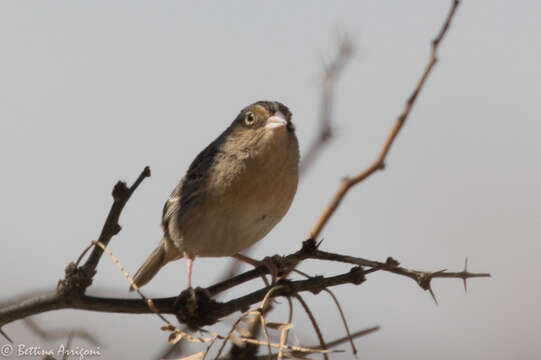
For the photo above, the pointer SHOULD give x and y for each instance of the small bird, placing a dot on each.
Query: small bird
(234, 192)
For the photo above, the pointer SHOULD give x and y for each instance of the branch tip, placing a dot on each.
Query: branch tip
(120, 190)
(146, 171)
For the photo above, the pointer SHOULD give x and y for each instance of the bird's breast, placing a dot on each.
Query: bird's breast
(250, 198)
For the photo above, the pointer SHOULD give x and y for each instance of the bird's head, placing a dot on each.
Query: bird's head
(262, 126)
(265, 116)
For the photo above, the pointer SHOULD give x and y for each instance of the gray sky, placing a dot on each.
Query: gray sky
(91, 92)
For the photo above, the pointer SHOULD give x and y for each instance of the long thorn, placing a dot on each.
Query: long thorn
(465, 271)
(432, 293)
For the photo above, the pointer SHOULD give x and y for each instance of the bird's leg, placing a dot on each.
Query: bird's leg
(189, 264)
(268, 262)
(247, 260)
(252, 262)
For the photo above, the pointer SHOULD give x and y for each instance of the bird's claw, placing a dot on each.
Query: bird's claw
(274, 264)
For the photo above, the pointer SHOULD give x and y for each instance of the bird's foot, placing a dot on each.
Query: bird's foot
(193, 307)
(187, 299)
(274, 264)
(203, 291)
(190, 295)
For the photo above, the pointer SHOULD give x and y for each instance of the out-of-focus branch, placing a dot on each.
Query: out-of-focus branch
(325, 131)
(379, 163)
(55, 334)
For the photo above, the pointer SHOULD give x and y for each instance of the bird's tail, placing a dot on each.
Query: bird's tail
(156, 260)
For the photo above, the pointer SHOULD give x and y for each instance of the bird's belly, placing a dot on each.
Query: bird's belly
(226, 234)
(240, 222)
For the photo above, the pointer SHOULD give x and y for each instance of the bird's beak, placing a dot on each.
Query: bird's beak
(278, 120)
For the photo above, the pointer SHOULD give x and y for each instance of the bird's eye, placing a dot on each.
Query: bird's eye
(249, 119)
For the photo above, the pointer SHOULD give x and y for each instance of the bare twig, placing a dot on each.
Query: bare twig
(285, 332)
(209, 346)
(300, 349)
(355, 335)
(121, 195)
(228, 337)
(344, 321)
(330, 345)
(314, 325)
(283, 341)
(379, 163)
(259, 321)
(339, 307)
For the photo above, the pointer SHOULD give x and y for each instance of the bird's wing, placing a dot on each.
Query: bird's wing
(190, 189)
(171, 206)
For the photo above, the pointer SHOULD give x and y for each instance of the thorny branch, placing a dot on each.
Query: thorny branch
(207, 311)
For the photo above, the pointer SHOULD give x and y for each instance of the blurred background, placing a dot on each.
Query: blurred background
(91, 92)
